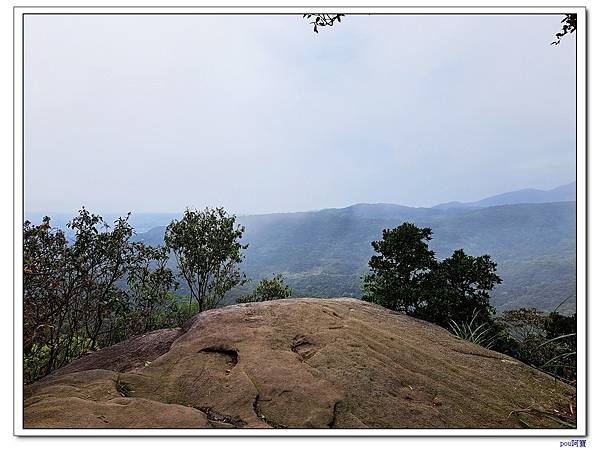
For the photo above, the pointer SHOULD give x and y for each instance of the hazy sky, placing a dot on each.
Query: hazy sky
(260, 114)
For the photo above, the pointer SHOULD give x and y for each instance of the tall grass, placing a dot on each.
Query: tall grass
(481, 334)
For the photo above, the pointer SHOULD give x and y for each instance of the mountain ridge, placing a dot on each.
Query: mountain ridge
(565, 192)
(145, 221)
(325, 253)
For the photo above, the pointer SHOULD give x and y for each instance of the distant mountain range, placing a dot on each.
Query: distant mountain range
(324, 253)
(530, 234)
(143, 222)
(564, 193)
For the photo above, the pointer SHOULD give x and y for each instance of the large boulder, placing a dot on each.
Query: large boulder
(296, 363)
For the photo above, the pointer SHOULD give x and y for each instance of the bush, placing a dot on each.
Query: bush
(482, 334)
(91, 293)
(546, 341)
(38, 358)
(268, 289)
(71, 301)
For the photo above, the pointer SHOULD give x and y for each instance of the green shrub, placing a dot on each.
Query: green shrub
(546, 341)
(268, 289)
(37, 359)
(482, 334)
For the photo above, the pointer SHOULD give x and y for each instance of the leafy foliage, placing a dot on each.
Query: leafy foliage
(457, 287)
(38, 358)
(325, 253)
(207, 247)
(454, 293)
(323, 20)
(93, 284)
(151, 285)
(399, 271)
(70, 292)
(545, 340)
(482, 335)
(91, 292)
(406, 277)
(268, 289)
(570, 25)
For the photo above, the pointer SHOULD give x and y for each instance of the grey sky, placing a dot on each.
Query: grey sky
(260, 114)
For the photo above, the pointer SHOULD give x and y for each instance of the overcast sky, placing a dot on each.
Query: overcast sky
(260, 114)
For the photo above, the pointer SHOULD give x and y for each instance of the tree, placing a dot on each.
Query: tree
(71, 298)
(150, 295)
(323, 20)
(208, 249)
(399, 271)
(268, 289)
(570, 25)
(92, 292)
(45, 292)
(98, 258)
(406, 277)
(457, 288)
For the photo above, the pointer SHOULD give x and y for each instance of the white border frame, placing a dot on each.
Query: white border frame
(581, 171)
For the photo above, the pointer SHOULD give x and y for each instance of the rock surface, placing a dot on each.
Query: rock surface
(297, 363)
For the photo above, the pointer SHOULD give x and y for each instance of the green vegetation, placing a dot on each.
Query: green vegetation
(102, 286)
(71, 300)
(547, 341)
(207, 248)
(399, 274)
(326, 253)
(406, 277)
(39, 357)
(268, 289)
(152, 303)
(93, 285)
(481, 334)
(458, 286)
(455, 294)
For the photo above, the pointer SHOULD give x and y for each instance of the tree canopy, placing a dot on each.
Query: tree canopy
(405, 276)
(398, 271)
(208, 249)
(75, 296)
(459, 287)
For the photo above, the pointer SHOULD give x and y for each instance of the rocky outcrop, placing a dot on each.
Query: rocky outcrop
(297, 363)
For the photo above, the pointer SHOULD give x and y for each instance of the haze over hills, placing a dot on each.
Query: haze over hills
(530, 233)
(564, 193)
(325, 253)
(145, 221)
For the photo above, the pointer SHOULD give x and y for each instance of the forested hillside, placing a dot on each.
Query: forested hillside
(325, 253)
